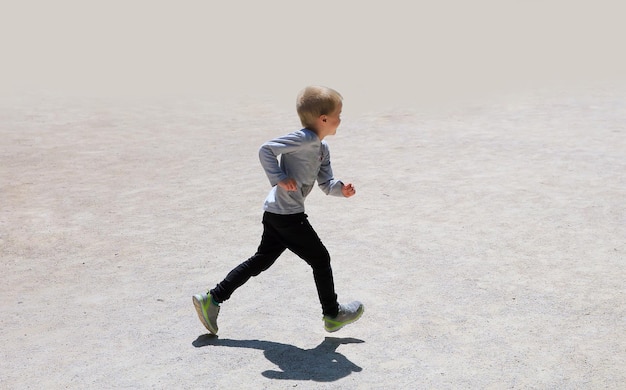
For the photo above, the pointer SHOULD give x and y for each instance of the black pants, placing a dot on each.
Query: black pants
(280, 232)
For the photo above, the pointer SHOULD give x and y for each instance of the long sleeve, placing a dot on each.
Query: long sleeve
(300, 156)
(269, 152)
(325, 178)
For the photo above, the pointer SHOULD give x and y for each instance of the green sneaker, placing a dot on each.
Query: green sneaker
(348, 314)
(207, 311)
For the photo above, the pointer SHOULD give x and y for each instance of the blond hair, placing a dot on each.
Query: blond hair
(315, 101)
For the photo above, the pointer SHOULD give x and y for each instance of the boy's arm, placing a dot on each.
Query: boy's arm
(326, 180)
(269, 152)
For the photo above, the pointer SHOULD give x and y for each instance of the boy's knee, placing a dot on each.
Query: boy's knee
(320, 262)
(258, 264)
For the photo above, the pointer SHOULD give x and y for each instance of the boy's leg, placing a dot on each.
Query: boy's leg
(207, 305)
(268, 251)
(298, 236)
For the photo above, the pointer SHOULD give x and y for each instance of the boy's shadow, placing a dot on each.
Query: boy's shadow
(320, 364)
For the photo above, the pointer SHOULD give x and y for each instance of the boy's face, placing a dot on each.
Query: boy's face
(333, 120)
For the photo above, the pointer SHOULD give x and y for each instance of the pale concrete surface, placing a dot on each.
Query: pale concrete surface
(487, 243)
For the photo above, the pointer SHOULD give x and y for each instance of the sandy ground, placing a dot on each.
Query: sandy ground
(487, 241)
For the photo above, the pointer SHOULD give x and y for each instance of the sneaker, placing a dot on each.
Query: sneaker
(347, 315)
(207, 311)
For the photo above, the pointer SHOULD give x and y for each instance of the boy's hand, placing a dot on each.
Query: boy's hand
(348, 190)
(288, 185)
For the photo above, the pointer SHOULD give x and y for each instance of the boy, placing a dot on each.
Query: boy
(304, 158)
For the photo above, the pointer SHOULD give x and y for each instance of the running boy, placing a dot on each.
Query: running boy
(304, 158)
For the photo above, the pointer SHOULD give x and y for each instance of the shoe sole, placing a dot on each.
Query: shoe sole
(347, 322)
(198, 305)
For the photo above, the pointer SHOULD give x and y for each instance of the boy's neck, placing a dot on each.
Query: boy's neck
(320, 134)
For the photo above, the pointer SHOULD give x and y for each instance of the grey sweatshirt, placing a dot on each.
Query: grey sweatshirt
(304, 158)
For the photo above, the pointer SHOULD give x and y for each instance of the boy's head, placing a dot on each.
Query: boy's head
(315, 101)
